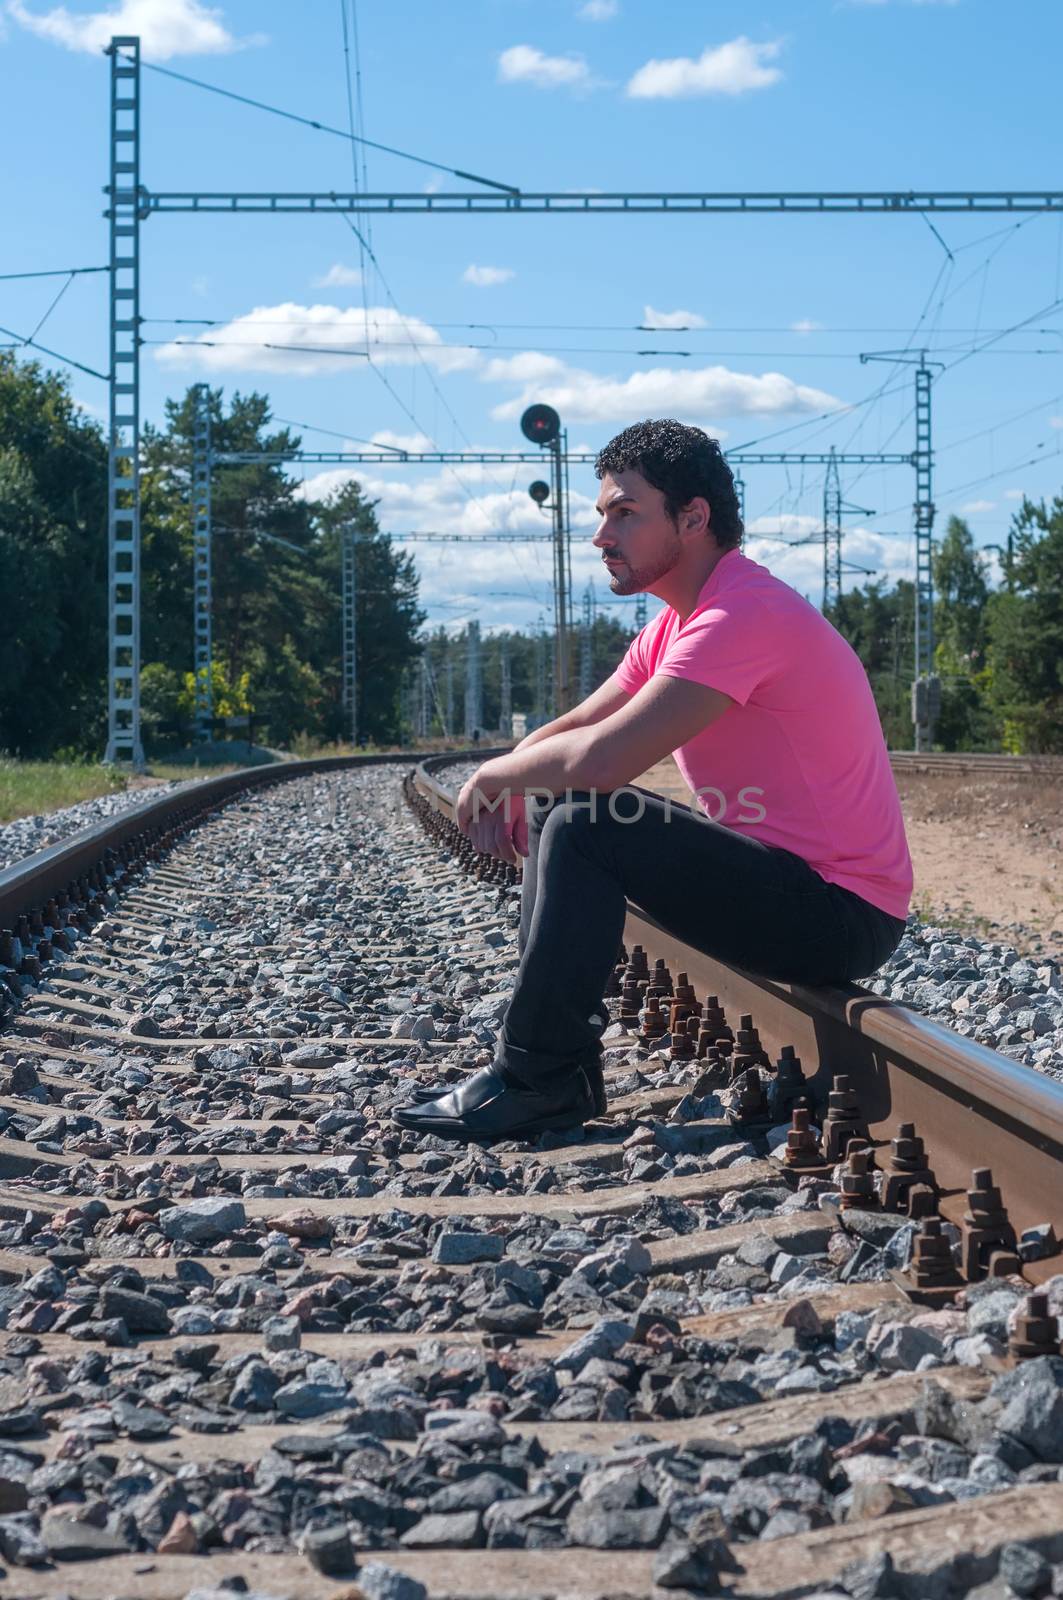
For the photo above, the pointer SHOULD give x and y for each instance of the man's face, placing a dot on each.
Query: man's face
(638, 539)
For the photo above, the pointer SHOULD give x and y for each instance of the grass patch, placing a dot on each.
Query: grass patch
(31, 788)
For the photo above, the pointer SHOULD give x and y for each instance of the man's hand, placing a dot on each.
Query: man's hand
(502, 831)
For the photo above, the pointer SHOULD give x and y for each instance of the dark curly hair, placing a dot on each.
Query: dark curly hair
(683, 463)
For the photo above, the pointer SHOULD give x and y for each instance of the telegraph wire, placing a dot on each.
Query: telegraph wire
(323, 127)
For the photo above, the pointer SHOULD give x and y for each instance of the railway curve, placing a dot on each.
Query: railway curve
(782, 1323)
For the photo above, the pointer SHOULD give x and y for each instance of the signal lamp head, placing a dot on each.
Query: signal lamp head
(540, 424)
(539, 491)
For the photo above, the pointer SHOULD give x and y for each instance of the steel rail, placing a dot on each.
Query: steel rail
(959, 761)
(64, 868)
(973, 1106)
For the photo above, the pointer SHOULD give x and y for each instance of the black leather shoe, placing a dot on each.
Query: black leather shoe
(493, 1104)
(592, 1067)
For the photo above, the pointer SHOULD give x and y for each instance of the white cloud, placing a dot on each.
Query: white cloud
(487, 277)
(165, 27)
(523, 63)
(706, 393)
(339, 276)
(598, 10)
(787, 524)
(974, 508)
(801, 565)
(805, 325)
(402, 441)
(304, 341)
(1014, 494)
(671, 319)
(732, 68)
(1055, 422)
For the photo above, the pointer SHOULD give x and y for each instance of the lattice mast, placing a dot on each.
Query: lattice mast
(202, 597)
(123, 436)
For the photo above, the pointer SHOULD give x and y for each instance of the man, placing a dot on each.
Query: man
(795, 866)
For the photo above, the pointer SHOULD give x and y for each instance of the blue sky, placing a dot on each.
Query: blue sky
(472, 318)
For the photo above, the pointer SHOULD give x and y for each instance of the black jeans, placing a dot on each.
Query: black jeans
(750, 904)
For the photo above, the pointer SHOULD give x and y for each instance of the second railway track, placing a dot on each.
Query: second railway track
(251, 1331)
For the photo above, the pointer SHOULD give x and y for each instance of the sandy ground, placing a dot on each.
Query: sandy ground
(987, 852)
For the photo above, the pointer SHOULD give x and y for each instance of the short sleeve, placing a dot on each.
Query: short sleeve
(634, 670)
(730, 648)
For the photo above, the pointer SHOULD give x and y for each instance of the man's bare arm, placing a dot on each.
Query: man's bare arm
(664, 714)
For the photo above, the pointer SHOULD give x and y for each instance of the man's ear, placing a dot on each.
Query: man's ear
(696, 516)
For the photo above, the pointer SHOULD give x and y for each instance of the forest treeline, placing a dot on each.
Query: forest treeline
(276, 617)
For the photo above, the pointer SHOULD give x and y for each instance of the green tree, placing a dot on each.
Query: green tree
(1025, 631)
(387, 615)
(961, 590)
(276, 578)
(53, 565)
(879, 623)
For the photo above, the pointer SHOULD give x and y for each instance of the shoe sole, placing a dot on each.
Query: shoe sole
(424, 1097)
(448, 1128)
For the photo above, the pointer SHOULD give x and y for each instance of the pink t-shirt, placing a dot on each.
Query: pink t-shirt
(799, 760)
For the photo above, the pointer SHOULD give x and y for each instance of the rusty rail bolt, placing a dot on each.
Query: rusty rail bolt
(857, 1185)
(988, 1243)
(790, 1084)
(660, 979)
(932, 1269)
(1036, 1332)
(802, 1146)
(715, 1019)
(684, 991)
(714, 1073)
(630, 1003)
(751, 1105)
(748, 1045)
(683, 1040)
(843, 1121)
(909, 1185)
(614, 983)
(654, 1022)
(638, 965)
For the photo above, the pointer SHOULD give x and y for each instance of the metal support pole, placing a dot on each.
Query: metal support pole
(585, 642)
(448, 682)
(123, 440)
(740, 491)
(924, 551)
(474, 715)
(349, 606)
(832, 537)
(506, 692)
(540, 672)
(424, 709)
(641, 606)
(562, 562)
(202, 598)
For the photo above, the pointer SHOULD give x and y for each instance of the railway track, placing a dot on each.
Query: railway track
(249, 1331)
(961, 762)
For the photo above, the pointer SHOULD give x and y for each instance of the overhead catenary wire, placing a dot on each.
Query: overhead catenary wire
(56, 355)
(324, 127)
(52, 272)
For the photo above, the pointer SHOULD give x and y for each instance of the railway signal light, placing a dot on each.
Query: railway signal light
(539, 491)
(541, 424)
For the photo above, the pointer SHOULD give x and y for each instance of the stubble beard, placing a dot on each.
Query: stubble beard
(637, 579)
